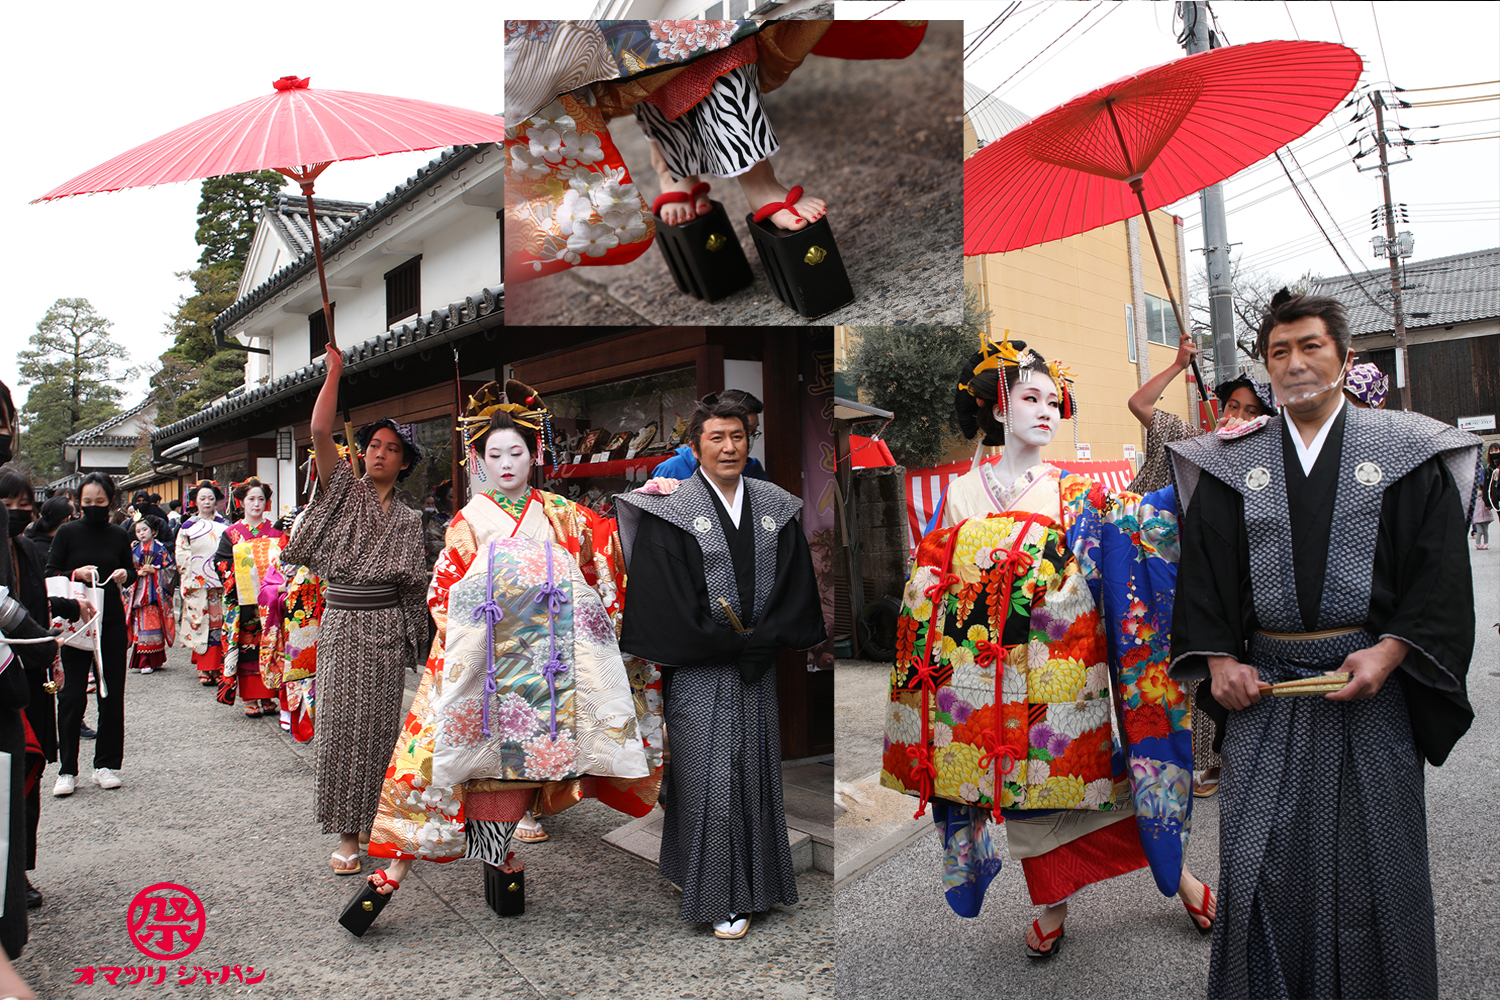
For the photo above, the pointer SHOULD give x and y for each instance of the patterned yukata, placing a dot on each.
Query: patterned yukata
(363, 654)
(476, 819)
(697, 573)
(1324, 886)
(1030, 686)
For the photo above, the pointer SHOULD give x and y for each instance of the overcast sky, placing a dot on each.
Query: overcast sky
(104, 78)
(1452, 191)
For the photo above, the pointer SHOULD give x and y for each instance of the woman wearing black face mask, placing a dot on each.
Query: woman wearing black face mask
(80, 549)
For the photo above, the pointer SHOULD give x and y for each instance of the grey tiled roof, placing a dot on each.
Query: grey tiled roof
(99, 436)
(1440, 292)
(449, 161)
(289, 216)
(483, 309)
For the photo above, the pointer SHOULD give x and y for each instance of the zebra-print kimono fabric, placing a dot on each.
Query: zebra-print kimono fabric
(724, 135)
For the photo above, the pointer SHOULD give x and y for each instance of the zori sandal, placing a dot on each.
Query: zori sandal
(703, 254)
(1044, 938)
(344, 864)
(803, 265)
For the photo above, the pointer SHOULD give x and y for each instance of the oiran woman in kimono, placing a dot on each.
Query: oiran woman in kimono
(1030, 684)
(459, 716)
(248, 548)
(202, 590)
(368, 546)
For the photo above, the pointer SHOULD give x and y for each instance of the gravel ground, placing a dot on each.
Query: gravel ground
(879, 140)
(897, 938)
(223, 805)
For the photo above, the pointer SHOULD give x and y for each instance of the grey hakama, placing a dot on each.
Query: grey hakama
(724, 836)
(1324, 885)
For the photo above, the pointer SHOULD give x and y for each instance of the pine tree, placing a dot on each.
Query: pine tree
(73, 384)
(911, 371)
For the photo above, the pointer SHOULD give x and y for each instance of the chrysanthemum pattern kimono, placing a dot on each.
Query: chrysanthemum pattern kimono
(1031, 676)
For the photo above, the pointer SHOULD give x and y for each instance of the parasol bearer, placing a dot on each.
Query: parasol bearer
(367, 545)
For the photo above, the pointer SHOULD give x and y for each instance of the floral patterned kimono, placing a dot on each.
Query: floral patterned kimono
(151, 627)
(202, 594)
(243, 557)
(476, 819)
(1031, 687)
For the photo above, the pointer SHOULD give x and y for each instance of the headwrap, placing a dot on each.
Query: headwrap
(406, 432)
(1368, 384)
(1261, 389)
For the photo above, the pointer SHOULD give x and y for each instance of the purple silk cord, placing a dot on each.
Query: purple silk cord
(555, 598)
(491, 612)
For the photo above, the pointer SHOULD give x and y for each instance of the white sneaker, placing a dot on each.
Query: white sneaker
(732, 929)
(66, 785)
(105, 778)
(146, 670)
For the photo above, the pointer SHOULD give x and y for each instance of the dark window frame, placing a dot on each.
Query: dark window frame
(403, 291)
(317, 331)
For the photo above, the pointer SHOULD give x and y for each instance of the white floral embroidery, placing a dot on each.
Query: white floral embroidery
(546, 143)
(942, 734)
(902, 724)
(553, 116)
(524, 163)
(592, 241)
(1077, 718)
(1098, 792)
(584, 148)
(1037, 772)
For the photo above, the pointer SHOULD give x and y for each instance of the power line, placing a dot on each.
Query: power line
(1334, 10)
(1038, 55)
(1451, 86)
(1312, 215)
(1108, 11)
(1040, 9)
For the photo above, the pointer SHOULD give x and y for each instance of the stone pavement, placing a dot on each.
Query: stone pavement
(880, 140)
(223, 805)
(897, 938)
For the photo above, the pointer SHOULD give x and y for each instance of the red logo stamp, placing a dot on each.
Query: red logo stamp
(166, 921)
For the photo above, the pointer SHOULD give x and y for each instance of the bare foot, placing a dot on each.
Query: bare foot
(1051, 919)
(396, 873)
(1190, 890)
(761, 188)
(677, 212)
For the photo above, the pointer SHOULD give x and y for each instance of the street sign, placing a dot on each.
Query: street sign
(1485, 423)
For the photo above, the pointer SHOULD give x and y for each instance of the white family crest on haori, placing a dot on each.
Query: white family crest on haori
(533, 685)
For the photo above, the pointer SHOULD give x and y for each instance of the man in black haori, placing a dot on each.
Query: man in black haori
(1329, 539)
(720, 579)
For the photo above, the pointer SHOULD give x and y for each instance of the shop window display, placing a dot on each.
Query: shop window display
(608, 438)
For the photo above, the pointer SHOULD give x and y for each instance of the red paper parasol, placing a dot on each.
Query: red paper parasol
(297, 131)
(1148, 140)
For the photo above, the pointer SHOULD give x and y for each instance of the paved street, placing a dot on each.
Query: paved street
(223, 805)
(897, 937)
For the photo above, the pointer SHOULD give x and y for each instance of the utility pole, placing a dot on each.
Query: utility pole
(1196, 37)
(1403, 380)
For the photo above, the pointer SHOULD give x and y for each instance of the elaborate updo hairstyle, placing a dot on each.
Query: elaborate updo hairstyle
(253, 483)
(500, 420)
(978, 394)
(206, 484)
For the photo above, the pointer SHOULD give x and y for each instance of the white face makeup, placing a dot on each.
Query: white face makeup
(1035, 411)
(508, 461)
(255, 505)
(142, 532)
(206, 501)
